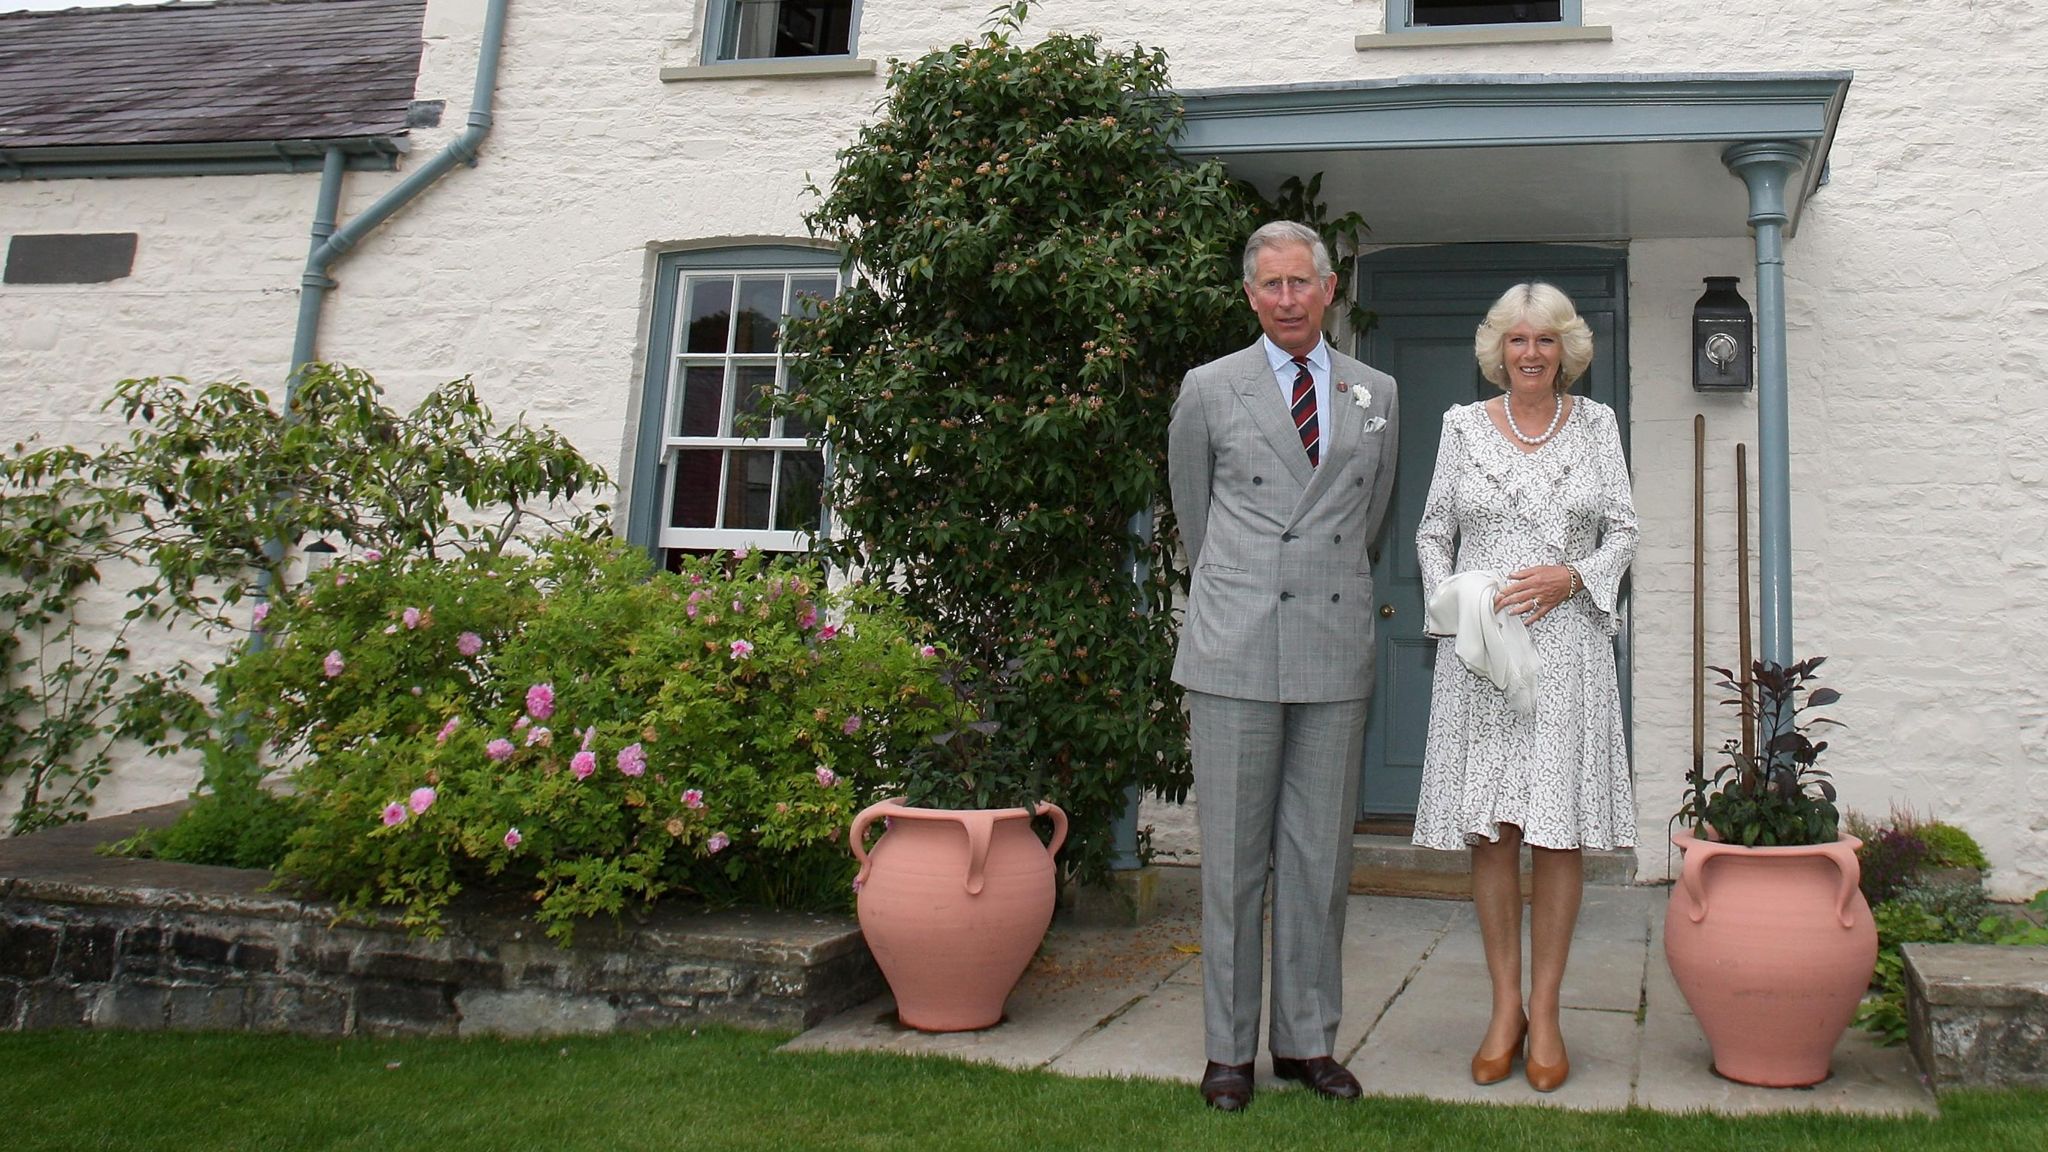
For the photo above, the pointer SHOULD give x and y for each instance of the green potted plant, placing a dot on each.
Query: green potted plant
(1767, 933)
(956, 895)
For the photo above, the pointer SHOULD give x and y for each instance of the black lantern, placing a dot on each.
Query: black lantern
(1723, 338)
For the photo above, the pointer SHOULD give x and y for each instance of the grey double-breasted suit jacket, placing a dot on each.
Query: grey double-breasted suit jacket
(1281, 607)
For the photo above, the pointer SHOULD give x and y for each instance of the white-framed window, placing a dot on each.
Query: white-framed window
(1429, 15)
(779, 29)
(713, 470)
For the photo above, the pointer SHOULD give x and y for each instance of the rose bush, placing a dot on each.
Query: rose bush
(576, 726)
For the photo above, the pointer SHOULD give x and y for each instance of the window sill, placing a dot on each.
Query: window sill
(770, 69)
(1462, 37)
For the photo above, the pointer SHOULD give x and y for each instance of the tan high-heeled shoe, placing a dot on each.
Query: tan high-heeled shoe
(1494, 1069)
(1547, 1077)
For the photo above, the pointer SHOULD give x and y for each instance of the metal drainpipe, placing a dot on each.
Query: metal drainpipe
(330, 248)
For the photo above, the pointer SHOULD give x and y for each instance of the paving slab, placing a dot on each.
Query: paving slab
(1677, 1076)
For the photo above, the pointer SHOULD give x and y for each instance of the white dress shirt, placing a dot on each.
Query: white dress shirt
(1318, 367)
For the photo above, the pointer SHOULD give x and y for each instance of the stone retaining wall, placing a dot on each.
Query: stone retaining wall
(1977, 1014)
(92, 941)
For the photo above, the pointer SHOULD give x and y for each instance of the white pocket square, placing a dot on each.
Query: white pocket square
(1376, 423)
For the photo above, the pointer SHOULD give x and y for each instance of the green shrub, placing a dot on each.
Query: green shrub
(1950, 847)
(576, 726)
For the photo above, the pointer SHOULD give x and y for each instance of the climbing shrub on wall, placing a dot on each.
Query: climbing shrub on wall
(1036, 269)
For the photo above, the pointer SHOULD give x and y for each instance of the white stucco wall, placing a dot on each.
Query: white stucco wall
(1915, 294)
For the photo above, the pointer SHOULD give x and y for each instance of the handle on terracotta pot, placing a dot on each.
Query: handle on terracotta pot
(1692, 879)
(1845, 860)
(868, 815)
(980, 825)
(1059, 825)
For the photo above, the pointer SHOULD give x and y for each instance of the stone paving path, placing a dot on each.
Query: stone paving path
(1128, 1002)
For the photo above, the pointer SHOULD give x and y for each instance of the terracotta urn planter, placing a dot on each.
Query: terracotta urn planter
(953, 905)
(1772, 948)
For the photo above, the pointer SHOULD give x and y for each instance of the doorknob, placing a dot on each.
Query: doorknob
(1386, 611)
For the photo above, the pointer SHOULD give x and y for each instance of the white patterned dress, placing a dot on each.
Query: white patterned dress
(1562, 774)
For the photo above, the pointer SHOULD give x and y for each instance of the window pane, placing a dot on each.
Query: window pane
(796, 426)
(693, 502)
(754, 383)
(749, 488)
(802, 492)
(1446, 13)
(806, 291)
(703, 400)
(710, 314)
(760, 314)
(761, 28)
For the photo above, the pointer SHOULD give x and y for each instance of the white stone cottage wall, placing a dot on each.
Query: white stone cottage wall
(1915, 292)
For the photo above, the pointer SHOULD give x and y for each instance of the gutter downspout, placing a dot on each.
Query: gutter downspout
(331, 245)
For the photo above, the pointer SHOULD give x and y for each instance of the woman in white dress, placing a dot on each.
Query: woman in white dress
(1532, 487)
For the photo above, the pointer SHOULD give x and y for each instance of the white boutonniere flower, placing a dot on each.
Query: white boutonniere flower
(1363, 398)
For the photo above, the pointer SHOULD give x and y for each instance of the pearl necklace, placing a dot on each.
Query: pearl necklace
(1556, 417)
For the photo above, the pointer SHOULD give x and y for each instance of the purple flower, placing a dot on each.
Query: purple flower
(632, 760)
(741, 650)
(827, 777)
(583, 764)
(512, 837)
(852, 724)
(333, 665)
(719, 842)
(540, 701)
(690, 611)
(394, 814)
(373, 555)
(420, 800)
(448, 729)
(411, 617)
(259, 613)
(693, 798)
(499, 749)
(469, 643)
(740, 553)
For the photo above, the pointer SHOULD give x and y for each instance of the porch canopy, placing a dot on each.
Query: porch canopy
(1567, 158)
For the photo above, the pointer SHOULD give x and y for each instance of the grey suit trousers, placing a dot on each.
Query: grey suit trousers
(1278, 782)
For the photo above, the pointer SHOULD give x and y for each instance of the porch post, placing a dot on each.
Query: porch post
(1766, 168)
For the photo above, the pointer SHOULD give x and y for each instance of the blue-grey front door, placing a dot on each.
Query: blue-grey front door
(1430, 301)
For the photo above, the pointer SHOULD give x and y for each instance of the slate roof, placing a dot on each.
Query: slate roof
(185, 74)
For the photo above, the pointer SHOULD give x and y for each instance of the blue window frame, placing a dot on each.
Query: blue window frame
(779, 29)
(1429, 15)
(711, 469)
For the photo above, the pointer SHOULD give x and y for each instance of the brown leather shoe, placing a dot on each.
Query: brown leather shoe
(1227, 1087)
(1323, 1075)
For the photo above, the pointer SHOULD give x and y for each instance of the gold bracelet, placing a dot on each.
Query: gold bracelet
(1577, 582)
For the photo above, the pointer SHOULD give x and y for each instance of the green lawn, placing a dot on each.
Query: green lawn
(727, 1090)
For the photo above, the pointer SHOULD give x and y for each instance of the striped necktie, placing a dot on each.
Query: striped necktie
(1304, 406)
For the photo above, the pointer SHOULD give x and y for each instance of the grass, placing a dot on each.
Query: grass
(732, 1090)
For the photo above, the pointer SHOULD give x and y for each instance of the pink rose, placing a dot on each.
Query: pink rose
(632, 760)
(809, 617)
(828, 632)
(411, 618)
(259, 613)
(740, 553)
(448, 729)
(499, 749)
(373, 555)
(420, 800)
(583, 764)
(742, 650)
(394, 814)
(719, 842)
(512, 837)
(851, 726)
(540, 701)
(589, 734)
(693, 798)
(469, 644)
(539, 736)
(927, 651)
(827, 777)
(333, 665)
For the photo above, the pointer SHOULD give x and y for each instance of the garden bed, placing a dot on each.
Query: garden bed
(92, 941)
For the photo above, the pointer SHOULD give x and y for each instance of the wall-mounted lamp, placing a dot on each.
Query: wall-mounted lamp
(319, 554)
(1723, 338)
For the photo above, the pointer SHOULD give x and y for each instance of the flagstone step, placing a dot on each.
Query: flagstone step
(1392, 866)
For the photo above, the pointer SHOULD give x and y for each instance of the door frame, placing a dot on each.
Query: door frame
(1527, 261)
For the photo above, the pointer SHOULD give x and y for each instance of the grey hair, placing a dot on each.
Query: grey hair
(1286, 232)
(1546, 309)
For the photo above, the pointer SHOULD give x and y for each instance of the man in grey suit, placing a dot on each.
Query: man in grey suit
(1281, 460)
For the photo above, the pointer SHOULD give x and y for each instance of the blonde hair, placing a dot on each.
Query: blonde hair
(1545, 309)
